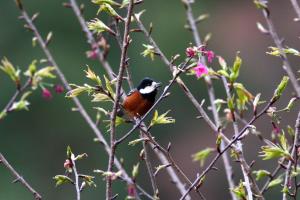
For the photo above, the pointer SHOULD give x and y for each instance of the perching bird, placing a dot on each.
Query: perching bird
(141, 99)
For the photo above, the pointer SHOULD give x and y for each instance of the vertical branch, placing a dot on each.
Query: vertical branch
(123, 63)
(211, 94)
(77, 187)
(278, 42)
(288, 171)
(19, 178)
(296, 7)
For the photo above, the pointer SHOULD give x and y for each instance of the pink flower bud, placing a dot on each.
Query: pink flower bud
(131, 190)
(68, 164)
(191, 52)
(92, 54)
(59, 89)
(46, 94)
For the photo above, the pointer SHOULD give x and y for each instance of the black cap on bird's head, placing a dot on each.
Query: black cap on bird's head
(148, 88)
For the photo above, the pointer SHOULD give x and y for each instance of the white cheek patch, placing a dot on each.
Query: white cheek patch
(148, 89)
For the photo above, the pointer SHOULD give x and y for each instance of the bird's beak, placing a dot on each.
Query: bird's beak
(157, 85)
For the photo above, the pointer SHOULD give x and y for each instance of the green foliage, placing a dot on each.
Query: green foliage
(202, 155)
(10, 70)
(261, 174)
(240, 191)
(135, 170)
(275, 182)
(62, 179)
(161, 119)
(280, 88)
(149, 51)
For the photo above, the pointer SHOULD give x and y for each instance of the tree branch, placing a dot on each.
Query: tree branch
(123, 63)
(19, 178)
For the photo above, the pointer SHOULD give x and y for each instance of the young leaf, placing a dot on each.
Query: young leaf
(202, 155)
(261, 174)
(135, 170)
(280, 88)
(149, 51)
(61, 179)
(161, 119)
(10, 70)
(91, 75)
(275, 182)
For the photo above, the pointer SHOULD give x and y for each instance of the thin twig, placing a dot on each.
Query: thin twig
(296, 8)
(19, 178)
(293, 154)
(126, 41)
(278, 42)
(16, 95)
(212, 163)
(77, 187)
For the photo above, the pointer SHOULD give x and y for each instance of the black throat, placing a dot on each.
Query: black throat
(150, 96)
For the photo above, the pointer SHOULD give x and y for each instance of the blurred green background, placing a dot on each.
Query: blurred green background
(35, 141)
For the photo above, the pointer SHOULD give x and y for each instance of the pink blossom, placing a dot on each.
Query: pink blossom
(131, 190)
(210, 55)
(191, 52)
(92, 54)
(58, 89)
(46, 94)
(200, 70)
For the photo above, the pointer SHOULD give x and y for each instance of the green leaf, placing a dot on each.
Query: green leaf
(31, 69)
(261, 174)
(69, 152)
(161, 119)
(78, 90)
(272, 151)
(202, 155)
(235, 70)
(275, 182)
(240, 191)
(61, 179)
(10, 70)
(98, 26)
(108, 9)
(135, 170)
(109, 88)
(261, 4)
(91, 75)
(280, 88)
(98, 97)
(136, 141)
(149, 51)
(110, 2)
(88, 179)
(45, 72)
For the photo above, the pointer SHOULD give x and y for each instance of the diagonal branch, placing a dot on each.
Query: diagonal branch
(296, 8)
(19, 178)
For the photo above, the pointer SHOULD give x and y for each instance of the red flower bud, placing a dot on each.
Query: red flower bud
(68, 164)
(59, 89)
(46, 94)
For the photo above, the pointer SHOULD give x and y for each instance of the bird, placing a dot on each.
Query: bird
(139, 100)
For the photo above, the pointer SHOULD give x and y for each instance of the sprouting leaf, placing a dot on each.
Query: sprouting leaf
(108, 9)
(98, 26)
(69, 152)
(108, 86)
(261, 28)
(235, 70)
(135, 170)
(244, 96)
(261, 174)
(78, 90)
(19, 105)
(222, 63)
(61, 179)
(272, 151)
(10, 70)
(149, 51)
(261, 4)
(136, 141)
(46, 72)
(274, 51)
(240, 191)
(98, 97)
(280, 88)
(88, 179)
(112, 175)
(2, 114)
(275, 182)
(91, 75)
(161, 119)
(31, 69)
(218, 103)
(202, 155)
(110, 2)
